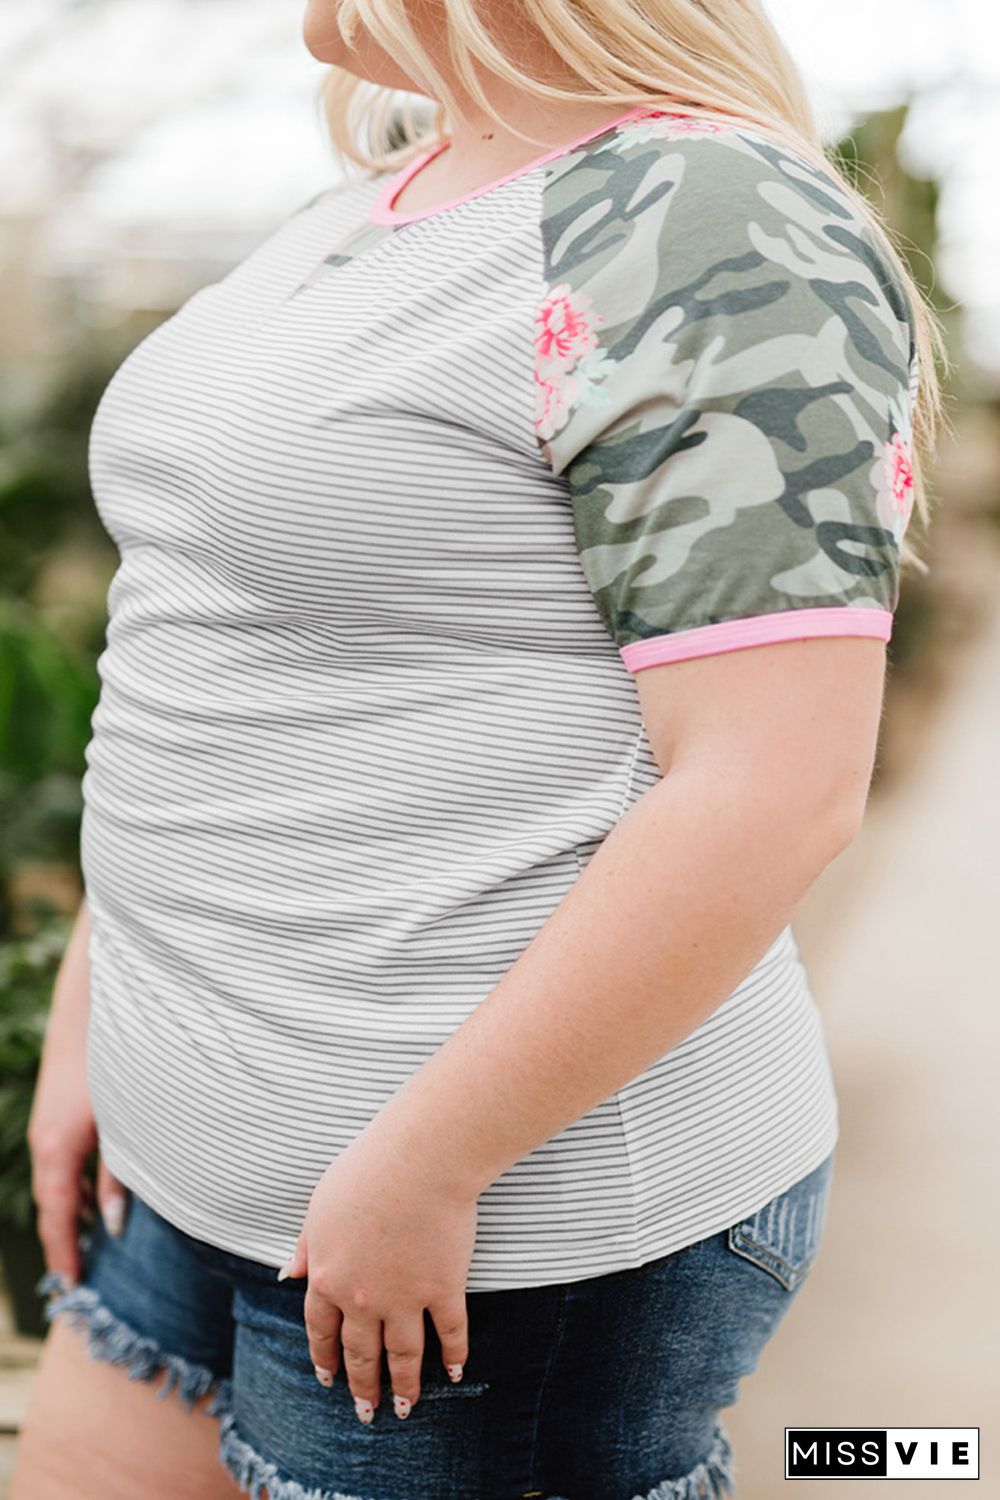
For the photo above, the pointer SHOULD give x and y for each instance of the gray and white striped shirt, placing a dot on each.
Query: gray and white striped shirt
(394, 506)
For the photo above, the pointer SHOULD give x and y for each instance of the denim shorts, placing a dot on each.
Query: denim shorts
(607, 1388)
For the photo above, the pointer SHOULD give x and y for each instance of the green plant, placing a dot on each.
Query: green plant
(28, 968)
(45, 498)
(55, 562)
(48, 691)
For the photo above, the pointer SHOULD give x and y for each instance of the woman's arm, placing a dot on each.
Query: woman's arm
(61, 1128)
(66, 1029)
(767, 754)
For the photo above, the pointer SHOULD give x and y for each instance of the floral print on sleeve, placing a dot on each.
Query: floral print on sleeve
(569, 362)
(725, 374)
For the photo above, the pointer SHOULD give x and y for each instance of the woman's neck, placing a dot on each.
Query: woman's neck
(483, 149)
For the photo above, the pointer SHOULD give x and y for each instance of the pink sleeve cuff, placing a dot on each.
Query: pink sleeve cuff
(756, 630)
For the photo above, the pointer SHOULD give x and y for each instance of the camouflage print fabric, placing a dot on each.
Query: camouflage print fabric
(724, 374)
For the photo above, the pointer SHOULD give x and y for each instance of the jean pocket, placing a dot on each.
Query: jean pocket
(783, 1237)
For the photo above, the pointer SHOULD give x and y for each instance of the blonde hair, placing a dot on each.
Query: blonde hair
(723, 59)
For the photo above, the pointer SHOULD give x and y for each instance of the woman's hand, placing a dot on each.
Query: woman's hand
(61, 1129)
(381, 1241)
(61, 1135)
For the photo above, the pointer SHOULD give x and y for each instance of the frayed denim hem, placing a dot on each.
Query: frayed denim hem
(252, 1472)
(712, 1479)
(112, 1340)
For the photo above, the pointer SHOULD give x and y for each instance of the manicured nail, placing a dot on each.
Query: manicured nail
(364, 1409)
(286, 1270)
(454, 1371)
(401, 1405)
(113, 1214)
(325, 1377)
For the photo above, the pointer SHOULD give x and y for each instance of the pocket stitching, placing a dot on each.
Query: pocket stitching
(743, 1242)
(767, 1259)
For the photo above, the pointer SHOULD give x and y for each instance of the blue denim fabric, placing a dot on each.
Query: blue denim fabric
(608, 1388)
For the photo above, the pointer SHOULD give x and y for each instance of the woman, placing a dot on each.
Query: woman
(509, 545)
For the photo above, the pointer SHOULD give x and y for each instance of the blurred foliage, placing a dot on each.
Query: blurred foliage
(47, 694)
(55, 564)
(45, 498)
(27, 970)
(869, 158)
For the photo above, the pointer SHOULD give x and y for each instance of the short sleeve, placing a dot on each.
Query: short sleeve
(724, 376)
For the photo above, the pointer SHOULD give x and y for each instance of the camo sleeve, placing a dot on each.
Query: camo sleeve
(724, 376)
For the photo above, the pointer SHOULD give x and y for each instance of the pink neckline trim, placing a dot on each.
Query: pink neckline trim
(384, 213)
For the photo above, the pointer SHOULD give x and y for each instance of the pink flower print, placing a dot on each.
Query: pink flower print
(894, 484)
(569, 364)
(664, 125)
(564, 327)
(553, 400)
(899, 475)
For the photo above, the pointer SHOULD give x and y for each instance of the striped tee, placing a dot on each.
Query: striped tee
(403, 503)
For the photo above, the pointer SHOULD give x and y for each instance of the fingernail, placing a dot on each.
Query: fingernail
(454, 1371)
(325, 1377)
(364, 1409)
(285, 1270)
(402, 1406)
(113, 1214)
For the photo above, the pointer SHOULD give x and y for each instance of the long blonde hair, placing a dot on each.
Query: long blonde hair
(723, 59)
